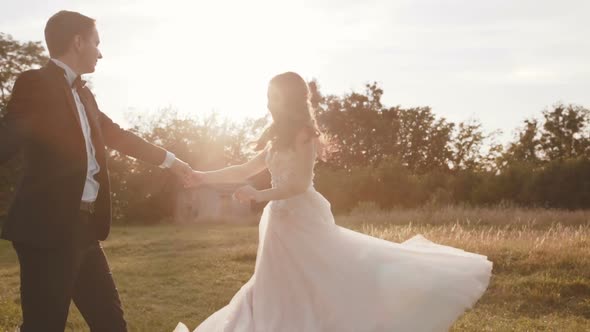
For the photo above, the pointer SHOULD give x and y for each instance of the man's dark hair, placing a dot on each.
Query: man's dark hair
(61, 29)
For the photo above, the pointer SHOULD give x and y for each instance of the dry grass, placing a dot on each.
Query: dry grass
(541, 260)
(168, 273)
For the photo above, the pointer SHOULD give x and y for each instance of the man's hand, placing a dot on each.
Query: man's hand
(246, 193)
(182, 170)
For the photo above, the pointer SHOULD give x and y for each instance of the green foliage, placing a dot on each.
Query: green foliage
(390, 156)
(566, 132)
(146, 194)
(16, 57)
(364, 132)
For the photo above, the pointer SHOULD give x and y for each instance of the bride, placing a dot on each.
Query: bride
(312, 275)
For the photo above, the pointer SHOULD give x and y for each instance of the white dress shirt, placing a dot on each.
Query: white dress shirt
(92, 186)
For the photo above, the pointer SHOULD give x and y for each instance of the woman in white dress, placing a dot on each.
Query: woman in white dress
(312, 275)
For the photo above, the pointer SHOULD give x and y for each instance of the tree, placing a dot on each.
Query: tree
(467, 145)
(16, 57)
(527, 147)
(424, 140)
(565, 132)
(147, 194)
(367, 133)
(355, 121)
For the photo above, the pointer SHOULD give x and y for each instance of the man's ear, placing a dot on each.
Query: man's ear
(77, 42)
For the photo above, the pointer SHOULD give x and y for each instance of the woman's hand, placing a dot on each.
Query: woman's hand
(246, 193)
(195, 178)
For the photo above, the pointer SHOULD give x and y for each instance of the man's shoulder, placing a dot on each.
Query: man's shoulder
(31, 74)
(32, 79)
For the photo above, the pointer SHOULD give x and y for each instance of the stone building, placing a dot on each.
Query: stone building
(210, 202)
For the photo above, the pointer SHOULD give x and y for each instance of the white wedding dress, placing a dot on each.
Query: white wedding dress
(312, 275)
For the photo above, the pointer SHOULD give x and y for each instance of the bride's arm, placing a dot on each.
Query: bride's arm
(302, 174)
(237, 173)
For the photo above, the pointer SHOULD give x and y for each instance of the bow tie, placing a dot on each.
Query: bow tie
(79, 83)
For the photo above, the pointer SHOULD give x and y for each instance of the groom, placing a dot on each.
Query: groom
(62, 208)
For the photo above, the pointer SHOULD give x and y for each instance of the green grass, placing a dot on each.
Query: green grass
(167, 273)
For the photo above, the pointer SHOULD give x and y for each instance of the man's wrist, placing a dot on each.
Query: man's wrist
(169, 161)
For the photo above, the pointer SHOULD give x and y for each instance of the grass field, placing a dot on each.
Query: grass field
(167, 273)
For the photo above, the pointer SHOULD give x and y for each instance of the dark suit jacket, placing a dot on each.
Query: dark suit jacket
(43, 121)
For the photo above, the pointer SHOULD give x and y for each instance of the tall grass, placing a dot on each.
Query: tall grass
(167, 273)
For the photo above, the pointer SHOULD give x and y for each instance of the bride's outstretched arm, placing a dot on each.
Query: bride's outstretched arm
(236, 173)
(299, 180)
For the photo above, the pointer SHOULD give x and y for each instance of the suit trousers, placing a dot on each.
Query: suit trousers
(78, 270)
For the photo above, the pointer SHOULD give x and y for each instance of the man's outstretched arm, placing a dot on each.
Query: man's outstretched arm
(132, 145)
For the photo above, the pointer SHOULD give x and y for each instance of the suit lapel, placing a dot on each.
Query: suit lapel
(59, 75)
(92, 114)
(72, 103)
(89, 106)
(91, 111)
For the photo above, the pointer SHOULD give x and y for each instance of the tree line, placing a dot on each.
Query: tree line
(389, 156)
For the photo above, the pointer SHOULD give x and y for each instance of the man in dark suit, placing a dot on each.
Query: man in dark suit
(62, 208)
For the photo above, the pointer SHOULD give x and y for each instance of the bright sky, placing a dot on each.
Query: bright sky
(497, 61)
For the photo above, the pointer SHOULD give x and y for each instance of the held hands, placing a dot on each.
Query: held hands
(191, 178)
(185, 173)
(247, 193)
(196, 178)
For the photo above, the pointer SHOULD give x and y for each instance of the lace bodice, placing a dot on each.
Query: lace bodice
(285, 168)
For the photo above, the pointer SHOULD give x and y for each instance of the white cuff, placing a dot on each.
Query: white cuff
(170, 157)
